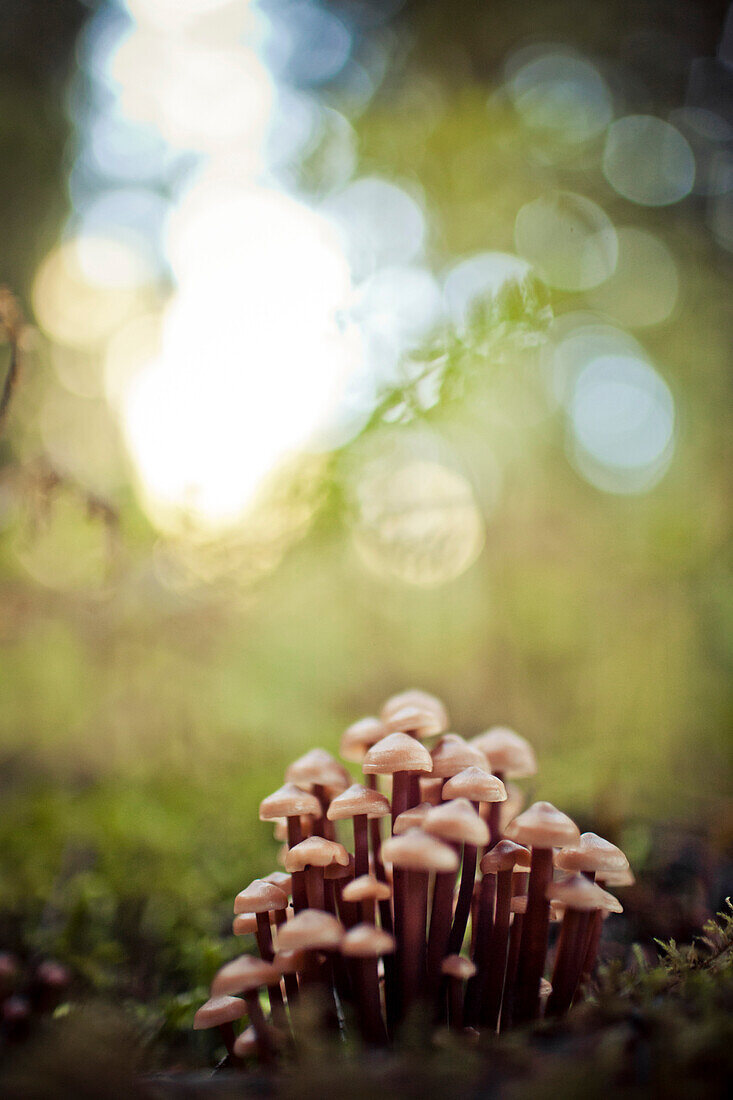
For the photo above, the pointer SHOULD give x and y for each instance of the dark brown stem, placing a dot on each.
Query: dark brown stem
(496, 956)
(512, 966)
(495, 819)
(291, 980)
(361, 846)
(569, 960)
(265, 1050)
(593, 942)
(274, 992)
(295, 835)
(368, 1008)
(413, 791)
(321, 825)
(400, 794)
(455, 1003)
(412, 955)
(440, 922)
(314, 888)
(534, 937)
(227, 1034)
(463, 905)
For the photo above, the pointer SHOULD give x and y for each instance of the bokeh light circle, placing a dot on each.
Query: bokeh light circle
(644, 287)
(562, 96)
(648, 161)
(568, 238)
(621, 417)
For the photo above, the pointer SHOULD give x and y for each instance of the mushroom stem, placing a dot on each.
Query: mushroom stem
(368, 1006)
(495, 819)
(321, 825)
(591, 947)
(440, 921)
(227, 1035)
(412, 955)
(274, 992)
(512, 965)
(265, 1051)
(455, 1003)
(569, 960)
(534, 936)
(463, 905)
(290, 979)
(400, 794)
(484, 995)
(361, 845)
(314, 887)
(300, 896)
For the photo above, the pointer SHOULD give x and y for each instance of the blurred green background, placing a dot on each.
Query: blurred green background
(152, 688)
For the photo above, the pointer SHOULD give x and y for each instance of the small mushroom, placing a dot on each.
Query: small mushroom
(363, 945)
(400, 756)
(458, 970)
(263, 898)
(360, 804)
(410, 819)
(312, 932)
(246, 975)
(510, 757)
(366, 891)
(458, 823)
(322, 773)
(221, 1012)
(359, 737)
(292, 803)
(414, 855)
(246, 1043)
(245, 924)
(452, 754)
(311, 856)
(591, 855)
(433, 715)
(578, 896)
(542, 827)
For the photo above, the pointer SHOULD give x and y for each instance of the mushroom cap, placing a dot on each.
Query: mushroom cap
(318, 768)
(543, 826)
(455, 966)
(338, 870)
(357, 800)
(422, 700)
(245, 924)
(289, 801)
(507, 752)
(315, 851)
(242, 975)
(260, 897)
(364, 941)
(578, 892)
(410, 819)
(366, 888)
(359, 736)
(416, 851)
(431, 790)
(592, 853)
(545, 989)
(504, 856)
(288, 962)
(617, 879)
(219, 1010)
(456, 821)
(281, 879)
(246, 1042)
(519, 904)
(453, 754)
(476, 784)
(419, 721)
(311, 930)
(398, 752)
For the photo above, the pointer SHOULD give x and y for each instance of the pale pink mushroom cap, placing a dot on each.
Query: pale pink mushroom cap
(289, 801)
(366, 888)
(245, 924)
(364, 941)
(318, 768)
(543, 826)
(504, 856)
(397, 752)
(357, 801)
(453, 754)
(476, 784)
(315, 851)
(260, 897)
(455, 966)
(431, 707)
(507, 752)
(219, 1010)
(592, 853)
(311, 930)
(456, 821)
(577, 892)
(410, 819)
(416, 851)
(242, 975)
(358, 737)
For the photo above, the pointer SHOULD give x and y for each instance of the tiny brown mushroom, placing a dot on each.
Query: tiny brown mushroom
(359, 737)
(542, 827)
(431, 714)
(415, 855)
(246, 975)
(578, 896)
(322, 773)
(363, 945)
(221, 1012)
(292, 803)
(366, 891)
(410, 819)
(360, 804)
(311, 856)
(263, 898)
(457, 970)
(510, 757)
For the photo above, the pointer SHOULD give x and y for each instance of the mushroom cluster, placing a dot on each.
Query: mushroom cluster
(448, 915)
